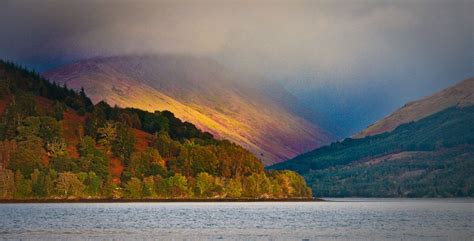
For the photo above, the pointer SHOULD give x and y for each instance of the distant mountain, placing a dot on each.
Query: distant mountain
(459, 95)
(430, 157)
(202, 92)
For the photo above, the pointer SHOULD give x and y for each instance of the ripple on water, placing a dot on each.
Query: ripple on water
(356, 220)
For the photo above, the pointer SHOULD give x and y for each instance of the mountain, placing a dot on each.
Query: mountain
(55, 144)
(429, 157)
(460, 95)
(202, 92)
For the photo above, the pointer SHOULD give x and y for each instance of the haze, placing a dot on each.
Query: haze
(351, 61)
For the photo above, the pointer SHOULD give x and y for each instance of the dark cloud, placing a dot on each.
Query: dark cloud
(393, 50)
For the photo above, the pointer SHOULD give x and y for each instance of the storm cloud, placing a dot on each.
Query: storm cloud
(353, 61)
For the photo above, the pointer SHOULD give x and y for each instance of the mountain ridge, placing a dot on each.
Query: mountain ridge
(460, 95)
(200, 91)
(428, 157)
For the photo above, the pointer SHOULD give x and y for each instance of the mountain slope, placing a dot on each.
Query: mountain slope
(199, 91)
(459, 95)
(55, 144)
(428, 158)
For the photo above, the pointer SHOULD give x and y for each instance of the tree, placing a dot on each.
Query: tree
(149, 187)
(22, 186)
(27, 157)
(257, 185)
(147, 163)
(233, 188)
(177, 186)
(49, 180)
(107, 135)
(21, 106)
(56, 148)
(37, 182)
(68, 184)
(7, 184)
(45, 127)
(134, 188)
(124, 145)
(165, 145)
(93, 159)
(97, 119)
(50, 129)
(93, 184)
(202, 160)
(204, 184)
(59, 109)
(64, 164)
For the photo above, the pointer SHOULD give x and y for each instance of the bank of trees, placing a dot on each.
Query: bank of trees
(179, 161)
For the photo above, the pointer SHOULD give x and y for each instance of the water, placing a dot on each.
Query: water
(357, 219)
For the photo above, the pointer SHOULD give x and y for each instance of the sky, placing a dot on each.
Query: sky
(351, 61)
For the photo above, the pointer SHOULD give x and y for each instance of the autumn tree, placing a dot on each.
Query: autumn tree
(68, 184)
(233, 188)
(134, 188)
(7, 184)
(149, 187)
(107, 135)
(177, 186)
(147, 163)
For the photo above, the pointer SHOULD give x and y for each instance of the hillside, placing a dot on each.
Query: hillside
(54, 143)
(430, 157)
(202, 92)
(460, 95)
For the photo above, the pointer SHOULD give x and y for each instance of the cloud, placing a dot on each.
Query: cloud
(403, 49)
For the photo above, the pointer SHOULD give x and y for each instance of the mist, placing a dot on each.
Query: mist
(351, 61)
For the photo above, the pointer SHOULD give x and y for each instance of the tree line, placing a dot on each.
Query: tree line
(179, 161)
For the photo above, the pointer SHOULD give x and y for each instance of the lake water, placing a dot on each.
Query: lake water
(344, 219)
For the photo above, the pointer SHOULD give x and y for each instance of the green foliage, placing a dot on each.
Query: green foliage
(18, 80)
(446, 173)
(23, 187)
(59, 109)
(38, 183)
(233, 188)
(124, 144)
(64, 164)
(149, 187)
(166, 146)
(93, 184)
(107, 135)
(68, 184)
(180, 161)
(205, 184)
(44, 127)
(176, 186)
(335, 171)
(134, 188)
(21, 106)
(93, 158)
(444, 129)
(7, 184)
(27, 156)
(56, 148)
(147, 163)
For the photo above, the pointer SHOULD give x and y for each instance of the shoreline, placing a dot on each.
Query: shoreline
(160, 200)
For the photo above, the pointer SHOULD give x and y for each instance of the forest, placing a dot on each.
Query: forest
(431, 157)
(56, 144)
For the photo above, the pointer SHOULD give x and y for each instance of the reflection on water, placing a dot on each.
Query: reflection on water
(344, 219)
